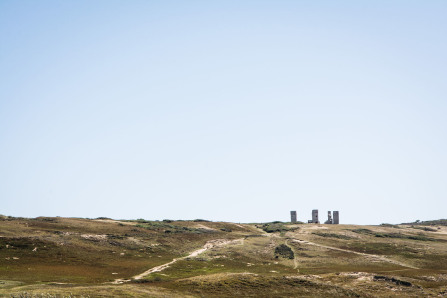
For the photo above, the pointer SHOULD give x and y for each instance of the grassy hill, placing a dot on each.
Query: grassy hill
(46, 257)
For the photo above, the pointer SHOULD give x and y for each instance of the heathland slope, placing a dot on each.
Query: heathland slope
(103, 257)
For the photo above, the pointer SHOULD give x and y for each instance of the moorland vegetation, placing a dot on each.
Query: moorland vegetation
(45, 257)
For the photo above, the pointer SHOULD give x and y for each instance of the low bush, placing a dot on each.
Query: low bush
(438, 222)
(427, 229)
(276, 227)
(284, 251)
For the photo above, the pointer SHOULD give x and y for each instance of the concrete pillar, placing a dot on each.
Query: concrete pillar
(292, 216)
(335, 221)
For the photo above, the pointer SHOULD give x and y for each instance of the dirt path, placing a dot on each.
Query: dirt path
(295, 261)
(209, 245)
(382, 258)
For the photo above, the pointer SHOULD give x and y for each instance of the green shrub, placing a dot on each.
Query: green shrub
(276, 226)
(284, 251)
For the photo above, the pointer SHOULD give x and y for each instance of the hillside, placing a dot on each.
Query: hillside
(102, 257)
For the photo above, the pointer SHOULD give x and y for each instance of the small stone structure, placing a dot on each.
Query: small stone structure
(332, 219)
(329, 218)
(314, 216)
(335, 221)
(292, 216)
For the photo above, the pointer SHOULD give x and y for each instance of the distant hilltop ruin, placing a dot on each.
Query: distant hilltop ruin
(332, 218)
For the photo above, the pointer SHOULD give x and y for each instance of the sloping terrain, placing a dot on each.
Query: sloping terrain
(102, 257)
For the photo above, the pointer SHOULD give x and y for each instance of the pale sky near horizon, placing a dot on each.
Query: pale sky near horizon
(224, 110)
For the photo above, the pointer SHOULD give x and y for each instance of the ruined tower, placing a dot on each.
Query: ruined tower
(335, 221)
(292, 216)
(315, 216)
(329, 218)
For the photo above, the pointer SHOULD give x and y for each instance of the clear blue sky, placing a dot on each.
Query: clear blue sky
(224, 110)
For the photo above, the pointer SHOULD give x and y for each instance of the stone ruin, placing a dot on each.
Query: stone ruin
(332, 218)
(293, 216)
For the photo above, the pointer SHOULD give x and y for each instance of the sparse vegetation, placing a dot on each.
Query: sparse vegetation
(79, 257)
(427, 229)
(390, 225)
(363, 231)
(439, 222)
(332, 235)
(276, 227)
(419, 237)
(169, 228)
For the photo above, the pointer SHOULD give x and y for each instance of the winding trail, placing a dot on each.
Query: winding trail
(209, 245)
(381, 258)
(295, 261)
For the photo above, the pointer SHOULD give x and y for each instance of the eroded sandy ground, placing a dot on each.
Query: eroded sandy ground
(209, 245)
